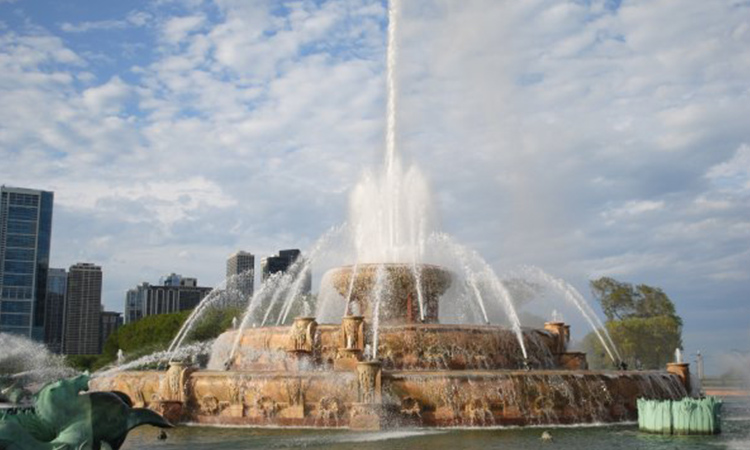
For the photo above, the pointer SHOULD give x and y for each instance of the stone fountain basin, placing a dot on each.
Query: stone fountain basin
(401, 347)
(401, 292)
(430, 398)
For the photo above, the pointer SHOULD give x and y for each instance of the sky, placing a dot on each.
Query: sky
(588, 137)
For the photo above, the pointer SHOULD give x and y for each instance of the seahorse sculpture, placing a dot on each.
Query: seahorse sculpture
(64, 420)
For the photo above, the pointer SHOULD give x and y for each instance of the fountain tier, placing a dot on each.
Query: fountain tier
(428, 375)
(409, 290)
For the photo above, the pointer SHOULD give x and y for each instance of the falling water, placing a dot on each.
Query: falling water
(380, 284)
(350, 290)
(391, 220)
(416, 270)
(29, 362)
(268, 287)
(571, 295)
(213, 297)
(285, 282)
(392, 54)
(475, 269)
(184, 352)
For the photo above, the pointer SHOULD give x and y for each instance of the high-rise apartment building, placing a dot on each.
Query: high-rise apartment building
(83, 306)
(134, 300)
(283, 262)
(111, 321)
(175, 293)
(57, 285)
(241, 273)
(25, 230)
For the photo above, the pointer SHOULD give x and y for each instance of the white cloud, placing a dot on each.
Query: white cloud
(733, 175)
(178, 28)
(107, 98)
(632, 208)
(133, 19)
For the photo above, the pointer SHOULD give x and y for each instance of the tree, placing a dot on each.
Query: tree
(155, 333)
(642, 322)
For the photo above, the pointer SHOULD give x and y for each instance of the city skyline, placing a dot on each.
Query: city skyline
(589, 139)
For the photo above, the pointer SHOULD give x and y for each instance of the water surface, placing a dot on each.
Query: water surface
(735, 436)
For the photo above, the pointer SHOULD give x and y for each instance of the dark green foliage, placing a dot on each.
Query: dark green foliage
(623, 300)
(642, 321)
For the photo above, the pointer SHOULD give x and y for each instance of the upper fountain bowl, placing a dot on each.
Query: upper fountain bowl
(409, 293)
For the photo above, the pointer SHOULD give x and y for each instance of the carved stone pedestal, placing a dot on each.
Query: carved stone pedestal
(682, 370)
(369, 382)
(366, 413)
(351, 343)
(562, 332)
(352, 332)
(302, 334)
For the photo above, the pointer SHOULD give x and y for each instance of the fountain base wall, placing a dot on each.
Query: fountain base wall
(437, 398)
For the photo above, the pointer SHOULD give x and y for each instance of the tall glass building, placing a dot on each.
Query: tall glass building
(54, 311)
(25, 231)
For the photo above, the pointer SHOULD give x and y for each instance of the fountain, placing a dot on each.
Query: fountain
(409, 328)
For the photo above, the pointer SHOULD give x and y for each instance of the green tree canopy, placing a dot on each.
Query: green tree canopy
(642, 322)
(623, 300)
(155, 333)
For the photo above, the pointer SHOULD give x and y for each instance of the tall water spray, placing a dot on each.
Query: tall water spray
(391, 220)
(391, 210)
(392, 54)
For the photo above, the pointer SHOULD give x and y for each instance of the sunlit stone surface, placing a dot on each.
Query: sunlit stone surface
(425, 374)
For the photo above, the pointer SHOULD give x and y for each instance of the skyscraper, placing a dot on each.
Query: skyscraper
(283, 262)
(25, 230)
(83, 310)
(241, 273)
(175, 293)
(57, 284)
(111, 321)
(135, 299)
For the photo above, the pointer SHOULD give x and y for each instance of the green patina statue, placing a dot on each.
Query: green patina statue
(65, 419)
(12, 391)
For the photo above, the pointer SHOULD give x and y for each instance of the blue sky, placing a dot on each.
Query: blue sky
(587, 138)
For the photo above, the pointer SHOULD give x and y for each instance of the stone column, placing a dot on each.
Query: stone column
(366, 413)
(301, 342)
(562, 332)
(172, 393)
(175, 379)
(302, 334)
(351, 343)
(369, 381)
(682, 370)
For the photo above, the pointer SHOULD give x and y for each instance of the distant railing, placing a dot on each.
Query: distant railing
(728, 383)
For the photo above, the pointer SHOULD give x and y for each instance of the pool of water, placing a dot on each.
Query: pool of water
(735, 436)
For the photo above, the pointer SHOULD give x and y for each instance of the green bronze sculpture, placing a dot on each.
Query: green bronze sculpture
(65, 419)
